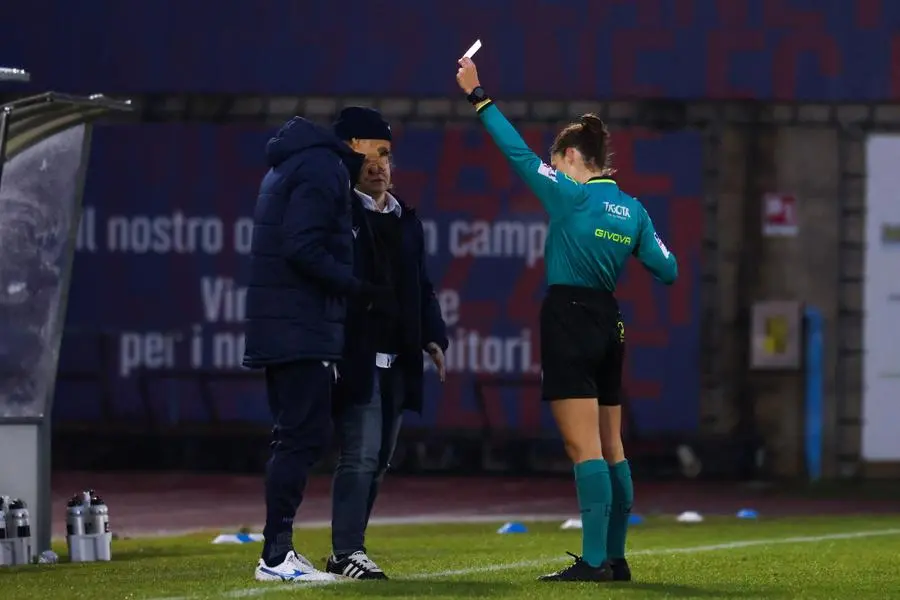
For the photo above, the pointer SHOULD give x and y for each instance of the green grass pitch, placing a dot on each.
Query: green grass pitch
(816, 557)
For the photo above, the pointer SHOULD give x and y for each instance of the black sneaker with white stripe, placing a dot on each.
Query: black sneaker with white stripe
(355, 566)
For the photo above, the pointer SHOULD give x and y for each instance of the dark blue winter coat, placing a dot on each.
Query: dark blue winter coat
(419, 311)
(301, 258)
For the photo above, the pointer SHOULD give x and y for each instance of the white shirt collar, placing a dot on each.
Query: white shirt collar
(391, 206)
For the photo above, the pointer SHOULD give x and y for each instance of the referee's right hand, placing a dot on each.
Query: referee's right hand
(467, 75)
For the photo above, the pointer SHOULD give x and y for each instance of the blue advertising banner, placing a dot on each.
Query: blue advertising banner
(154, 327)
(763, 49)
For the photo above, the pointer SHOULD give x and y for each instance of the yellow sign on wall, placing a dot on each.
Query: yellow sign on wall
(777, 335)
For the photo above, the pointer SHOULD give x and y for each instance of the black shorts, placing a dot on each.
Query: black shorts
(582, 345)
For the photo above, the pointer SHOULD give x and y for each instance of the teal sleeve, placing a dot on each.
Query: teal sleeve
(557, 192)
(654, 255)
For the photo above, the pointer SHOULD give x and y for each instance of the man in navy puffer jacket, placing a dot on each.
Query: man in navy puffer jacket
(301, 275)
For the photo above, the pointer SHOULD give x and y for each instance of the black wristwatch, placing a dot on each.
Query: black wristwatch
(478, 95)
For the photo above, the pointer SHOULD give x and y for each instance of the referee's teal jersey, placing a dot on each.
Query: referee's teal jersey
(594, 227)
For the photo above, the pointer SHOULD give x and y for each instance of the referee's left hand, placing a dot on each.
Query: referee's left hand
(467, 75)
(437, 357)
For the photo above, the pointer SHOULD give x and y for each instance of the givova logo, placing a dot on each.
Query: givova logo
(617, 210)
(613, 237)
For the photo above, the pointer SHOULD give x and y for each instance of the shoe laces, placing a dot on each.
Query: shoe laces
(362, 560)
(578, 560)
(301, 560)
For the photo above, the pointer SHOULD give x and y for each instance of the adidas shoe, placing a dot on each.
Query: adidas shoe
(294, 568)
(580, 571)
(355, 566)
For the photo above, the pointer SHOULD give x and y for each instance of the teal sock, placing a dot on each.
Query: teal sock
(622, 499)
(594, 498)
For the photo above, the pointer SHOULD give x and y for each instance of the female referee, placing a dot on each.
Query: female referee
(594, 228)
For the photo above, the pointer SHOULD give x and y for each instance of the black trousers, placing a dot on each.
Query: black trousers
(299, 395)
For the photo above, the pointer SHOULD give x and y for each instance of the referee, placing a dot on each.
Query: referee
(594, 228)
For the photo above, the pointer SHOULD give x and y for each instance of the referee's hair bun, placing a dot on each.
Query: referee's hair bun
(595, 140)
(594, 125)
(590, 135)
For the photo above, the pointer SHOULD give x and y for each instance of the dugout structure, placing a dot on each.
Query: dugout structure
(44, 150)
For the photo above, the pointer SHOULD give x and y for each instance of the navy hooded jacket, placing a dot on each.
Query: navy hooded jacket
(301, 257)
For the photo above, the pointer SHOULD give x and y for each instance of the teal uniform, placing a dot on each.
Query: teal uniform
(594, 227)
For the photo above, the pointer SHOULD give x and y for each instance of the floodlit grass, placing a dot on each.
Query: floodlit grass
(822, 557)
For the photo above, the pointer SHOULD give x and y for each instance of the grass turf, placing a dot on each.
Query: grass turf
(720, 558)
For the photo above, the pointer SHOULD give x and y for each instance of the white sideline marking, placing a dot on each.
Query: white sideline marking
(540, 562)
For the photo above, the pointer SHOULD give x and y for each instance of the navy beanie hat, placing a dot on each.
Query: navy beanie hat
(361, 123)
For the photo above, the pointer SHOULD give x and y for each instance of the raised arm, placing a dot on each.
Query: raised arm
(557, 193)
(653, 254)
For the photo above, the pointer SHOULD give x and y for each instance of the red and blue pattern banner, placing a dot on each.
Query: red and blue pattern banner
(840, 50)
(157, 301)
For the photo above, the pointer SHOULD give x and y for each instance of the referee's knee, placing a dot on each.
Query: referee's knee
(582, 450)
(613, 451)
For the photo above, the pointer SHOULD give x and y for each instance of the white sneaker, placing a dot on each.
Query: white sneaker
(294, 568)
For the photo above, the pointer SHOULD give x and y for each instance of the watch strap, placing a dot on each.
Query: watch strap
(479, 99)
(477, 95)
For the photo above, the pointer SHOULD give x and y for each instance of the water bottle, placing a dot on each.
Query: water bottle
(19, 519)
(18, 530)
(6, 551)
(75, 522)
(99, 519)
(85, 497)
(99, 516)
(4, 508)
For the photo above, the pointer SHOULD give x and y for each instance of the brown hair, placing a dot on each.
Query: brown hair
(589, 136)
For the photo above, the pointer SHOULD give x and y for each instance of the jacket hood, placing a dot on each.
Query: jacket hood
(300, 134)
